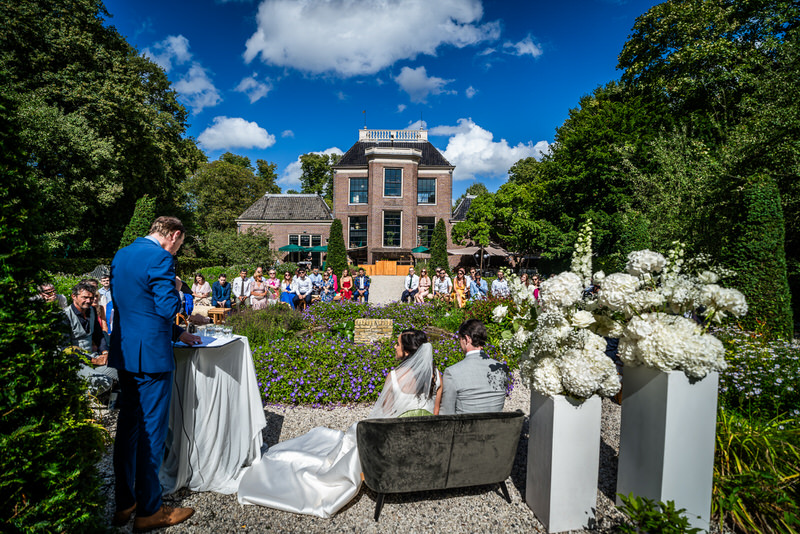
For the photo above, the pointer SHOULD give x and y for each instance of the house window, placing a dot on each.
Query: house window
(392, 182)
(359, 190)
(426, 191)
(305, 240)
(425, 226)
(391, 228)
(358, 232)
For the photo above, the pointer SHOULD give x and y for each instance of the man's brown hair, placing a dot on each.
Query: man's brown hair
(166, 225)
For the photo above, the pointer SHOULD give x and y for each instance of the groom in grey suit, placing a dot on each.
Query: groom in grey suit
(477, 383)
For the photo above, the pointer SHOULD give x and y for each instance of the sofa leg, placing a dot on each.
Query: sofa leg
(379, 505)
(504, 489)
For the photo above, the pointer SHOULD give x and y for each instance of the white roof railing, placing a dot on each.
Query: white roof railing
(392, 135)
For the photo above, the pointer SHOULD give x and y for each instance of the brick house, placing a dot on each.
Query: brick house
(303, 220)
(389, 190)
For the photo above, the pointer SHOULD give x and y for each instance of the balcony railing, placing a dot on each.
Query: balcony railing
(392, 135)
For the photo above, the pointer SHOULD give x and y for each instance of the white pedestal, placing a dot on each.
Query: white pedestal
(667, 437)
(563, 461)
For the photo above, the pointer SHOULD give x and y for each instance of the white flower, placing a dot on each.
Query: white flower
(720, 300)
(607, 327)
(598, 277)
(644, 261)
(582, 319)
(616, 290)
(499, 312)
(544, 377)
(563, 290)
(708, 277)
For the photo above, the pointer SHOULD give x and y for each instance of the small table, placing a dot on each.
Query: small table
(218, 314)
(215, 420)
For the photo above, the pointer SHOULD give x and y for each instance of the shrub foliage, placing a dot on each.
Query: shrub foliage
(337, 253)
(143, 216)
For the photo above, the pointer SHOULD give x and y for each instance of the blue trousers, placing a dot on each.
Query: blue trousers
(139, 446)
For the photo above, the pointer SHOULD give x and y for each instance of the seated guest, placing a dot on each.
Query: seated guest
(500, 286)
(346, 285)
(328, 293)
(477, 383)
(47, 292)
(258, 290)
(302, 289)
(201, 291)
(104, 293)
(411, 286)
(241, 289)
(424, 286)
(442, 286)
(461, 288)
(221, 292)
(478, 288)
(287, 290)
(316, 280)
(86, 333)
(361, 287)
(335, 279)
(273, 288)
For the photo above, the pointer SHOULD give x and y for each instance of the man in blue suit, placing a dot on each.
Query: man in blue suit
(143, 285)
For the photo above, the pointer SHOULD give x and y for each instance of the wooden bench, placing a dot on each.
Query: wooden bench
(438, 452)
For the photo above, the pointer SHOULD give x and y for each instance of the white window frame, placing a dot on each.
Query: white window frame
(350, 194)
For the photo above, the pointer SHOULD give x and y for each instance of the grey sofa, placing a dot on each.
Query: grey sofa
(437, 452)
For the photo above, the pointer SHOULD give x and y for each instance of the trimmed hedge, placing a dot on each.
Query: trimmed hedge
(439, 248)
(337, 253)
(758, 256)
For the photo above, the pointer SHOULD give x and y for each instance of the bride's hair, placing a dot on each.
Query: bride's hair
(411, 340)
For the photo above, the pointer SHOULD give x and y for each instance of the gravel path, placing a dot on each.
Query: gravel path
(478, 509)
(385, 289)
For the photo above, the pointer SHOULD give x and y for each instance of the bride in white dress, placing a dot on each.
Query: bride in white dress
(320, 472)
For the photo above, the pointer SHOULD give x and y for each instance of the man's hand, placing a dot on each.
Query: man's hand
(102, 359)
(189, 339)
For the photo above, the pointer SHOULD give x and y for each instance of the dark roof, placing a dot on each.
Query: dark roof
(287, 208)
(355, 157)
(460, 213)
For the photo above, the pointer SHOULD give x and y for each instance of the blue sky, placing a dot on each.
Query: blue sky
(274, 79)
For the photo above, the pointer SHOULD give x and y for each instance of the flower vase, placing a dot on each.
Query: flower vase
(667, 437)
(563, 460)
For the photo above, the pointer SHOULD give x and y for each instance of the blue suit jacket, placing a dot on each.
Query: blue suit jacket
(145, 304)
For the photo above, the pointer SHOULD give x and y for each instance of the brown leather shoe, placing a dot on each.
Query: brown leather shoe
(165, 517)
(123, 516)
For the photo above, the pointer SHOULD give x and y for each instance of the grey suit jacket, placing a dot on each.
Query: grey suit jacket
(474, 385)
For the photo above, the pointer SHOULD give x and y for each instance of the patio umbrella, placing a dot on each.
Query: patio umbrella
(419, 249)
(292, 248)
(319, 248)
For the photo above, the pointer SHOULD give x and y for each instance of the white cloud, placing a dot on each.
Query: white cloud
(418, 85)
(525, 47)
(487, 52)
(197, 89)
(417, 125)
(358, 37)
(470, 92)
(253, 88)
(290, 178)
(341, 96)
(287, 133)
(475, 153)
(173, 49)
(401, 108)
(234, 132)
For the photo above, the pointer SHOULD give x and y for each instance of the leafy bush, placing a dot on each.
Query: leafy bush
(261, 326)
(763, 376)
(756, 473)
(439, 248)
(337, 253)
(482, 310)
(228, 247)
(647, 515)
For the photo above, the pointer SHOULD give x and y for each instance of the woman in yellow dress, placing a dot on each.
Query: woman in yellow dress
(460, 287)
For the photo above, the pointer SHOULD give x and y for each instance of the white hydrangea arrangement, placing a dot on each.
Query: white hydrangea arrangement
(650, 308)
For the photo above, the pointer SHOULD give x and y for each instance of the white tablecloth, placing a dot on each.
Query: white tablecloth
(215, 419)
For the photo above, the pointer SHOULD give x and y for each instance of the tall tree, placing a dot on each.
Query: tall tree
(235, 159)
(337, 252)
(101, 123)
(317, 177)
(220, 191)
(143, 216)
(266, 172)
(439, 247)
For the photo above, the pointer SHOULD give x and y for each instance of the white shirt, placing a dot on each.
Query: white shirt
(500, 288)
(442, 286)
(241, 288)
(412, 282)
(302, 285)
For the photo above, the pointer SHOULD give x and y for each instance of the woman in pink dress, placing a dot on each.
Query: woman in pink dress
(258, 291)
(273, 287)
(201, 291)
(424, 286)
(346, 282)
